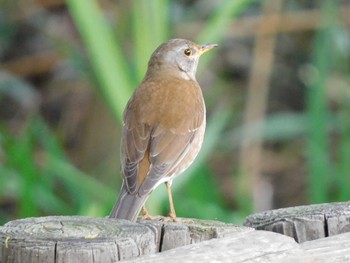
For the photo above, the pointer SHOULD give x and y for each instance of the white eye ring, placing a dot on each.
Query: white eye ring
(188, 52)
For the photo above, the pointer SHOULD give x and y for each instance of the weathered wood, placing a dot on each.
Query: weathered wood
(304, 223)
(190, 231)
(73, 239)
(84, 239)
(247, 247)
(334, 249)
(77, 239)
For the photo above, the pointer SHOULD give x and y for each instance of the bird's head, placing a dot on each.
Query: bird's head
(179, 57)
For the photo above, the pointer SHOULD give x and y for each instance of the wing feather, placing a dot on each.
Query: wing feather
(135, 140)
(164, 141)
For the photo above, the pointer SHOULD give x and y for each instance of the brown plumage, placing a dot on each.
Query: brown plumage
(163, 128)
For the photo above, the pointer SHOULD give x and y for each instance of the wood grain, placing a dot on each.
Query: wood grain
(256, 246)
(304, 223)
(68, 239)
(335, 249)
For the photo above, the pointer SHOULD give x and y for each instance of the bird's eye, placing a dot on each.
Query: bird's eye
(188, 52)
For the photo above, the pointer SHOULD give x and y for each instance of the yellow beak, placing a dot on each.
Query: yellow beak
(206, 47)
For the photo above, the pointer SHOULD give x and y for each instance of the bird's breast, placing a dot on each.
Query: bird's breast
(171, 103)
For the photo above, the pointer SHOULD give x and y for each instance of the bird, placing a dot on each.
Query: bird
(163, 127)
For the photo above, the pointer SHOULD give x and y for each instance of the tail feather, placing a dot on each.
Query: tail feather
(128, 205)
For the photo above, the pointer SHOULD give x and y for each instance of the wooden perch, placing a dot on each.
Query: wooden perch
(78, 239)
(304, 223)
(256, 246)
(335, 249)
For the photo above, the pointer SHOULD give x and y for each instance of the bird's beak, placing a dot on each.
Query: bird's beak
(206, 47)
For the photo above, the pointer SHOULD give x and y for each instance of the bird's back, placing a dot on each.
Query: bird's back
(164, 124)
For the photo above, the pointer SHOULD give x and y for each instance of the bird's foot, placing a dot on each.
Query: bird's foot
(147, 216)
(169, 219)
(158, 218)
(177, 220)
(154, 218)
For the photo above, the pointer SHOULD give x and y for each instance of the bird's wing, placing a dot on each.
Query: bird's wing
(161, 149)
(134, 143)
(152, 147)
(168, 148)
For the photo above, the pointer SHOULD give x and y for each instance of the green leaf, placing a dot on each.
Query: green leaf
(318, 136)
(106, 56)
(150, 25)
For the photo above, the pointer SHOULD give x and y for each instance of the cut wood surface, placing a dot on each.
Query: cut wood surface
(76, 239)
(304, 223)
(256, 246)
(334, 249)
(65, 239)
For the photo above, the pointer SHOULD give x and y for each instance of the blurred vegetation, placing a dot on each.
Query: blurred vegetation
(68, 69)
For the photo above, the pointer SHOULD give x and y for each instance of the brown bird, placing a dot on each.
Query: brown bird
(163, 127)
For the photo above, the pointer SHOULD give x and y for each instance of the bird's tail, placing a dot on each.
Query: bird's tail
(128, 205)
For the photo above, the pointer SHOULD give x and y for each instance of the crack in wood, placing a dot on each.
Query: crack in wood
(304, 223)
(326, 232)
(161, 238)
(62, 239)
(55, 253)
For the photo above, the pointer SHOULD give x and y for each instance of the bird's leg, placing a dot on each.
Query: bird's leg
(146, 215)
(172, 213)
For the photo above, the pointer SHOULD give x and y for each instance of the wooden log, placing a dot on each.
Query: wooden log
(304, 223)
(73, 239)
(335, 249)
(65, 239)
(190, 231)
(248, 247)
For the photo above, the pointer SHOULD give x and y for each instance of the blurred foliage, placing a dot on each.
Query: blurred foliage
(319, 145)
(56, 147)
(322, 169)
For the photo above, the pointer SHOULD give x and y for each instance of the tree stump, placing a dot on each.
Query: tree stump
(61, 239)
(65, 239)
(304, 223)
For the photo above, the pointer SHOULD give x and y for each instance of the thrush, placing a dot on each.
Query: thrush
(163, 126)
